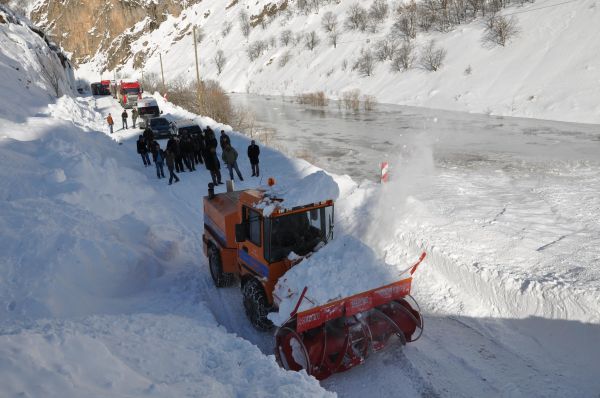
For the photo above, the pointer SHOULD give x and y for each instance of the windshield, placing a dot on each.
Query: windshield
(299, 233)
(158, 122)
(189, 130)
(134, 90)
(149, 110)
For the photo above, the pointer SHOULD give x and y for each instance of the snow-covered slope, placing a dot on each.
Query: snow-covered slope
(100, 286)
(549, 71)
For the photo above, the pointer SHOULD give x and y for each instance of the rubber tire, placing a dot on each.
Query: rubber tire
(256, 304)
(220, 278)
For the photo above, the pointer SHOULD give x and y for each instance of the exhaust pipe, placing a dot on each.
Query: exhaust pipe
(230, 186)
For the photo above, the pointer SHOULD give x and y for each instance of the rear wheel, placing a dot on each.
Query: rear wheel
(256, 304)
(220, 278)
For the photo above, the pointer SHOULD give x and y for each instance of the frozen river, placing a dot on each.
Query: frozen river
(351, 143)
(508, 212)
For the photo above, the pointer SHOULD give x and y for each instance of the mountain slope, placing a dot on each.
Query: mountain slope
(549, 71)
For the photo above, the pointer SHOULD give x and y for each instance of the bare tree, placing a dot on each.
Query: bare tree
(329, 22)
(311, 40)
(245, 23)
(406, 21)
(379, 10)
(256, 49)
(333, 37)
(432, 58)
(303, 6)
(365, 64)
(357, 18)
(386, 48)
(404, 58)
(220, 60)
(500, 30)
(286, 37)
(227, 26)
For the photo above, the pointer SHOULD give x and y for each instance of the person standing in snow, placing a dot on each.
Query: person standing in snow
(160, 161)
(224, 140)
(253, 152)
(211, 160)
(124, 117)
(110, 122)
(171, 165)
(142, 149)
(134, 116)
(229, 156)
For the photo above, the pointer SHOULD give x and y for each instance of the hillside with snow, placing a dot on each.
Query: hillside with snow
(101, 288)
(548, 71)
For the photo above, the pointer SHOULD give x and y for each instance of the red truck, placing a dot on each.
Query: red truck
(128, 93)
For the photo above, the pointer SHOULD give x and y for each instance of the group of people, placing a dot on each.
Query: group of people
(187, 151)
(124, 117)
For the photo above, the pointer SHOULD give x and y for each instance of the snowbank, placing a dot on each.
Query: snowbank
(100, 286)
(342, 268)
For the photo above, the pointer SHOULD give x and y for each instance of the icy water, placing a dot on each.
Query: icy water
(351, 143)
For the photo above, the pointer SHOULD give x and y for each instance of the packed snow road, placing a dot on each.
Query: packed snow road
(506, 299)
(503, 317)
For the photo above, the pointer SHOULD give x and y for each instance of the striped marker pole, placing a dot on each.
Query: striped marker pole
(384, 172)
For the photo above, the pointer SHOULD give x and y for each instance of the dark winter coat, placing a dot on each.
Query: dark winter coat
(224, 140)
(154, 148)
(170, 158)
(124, 115)
(148, 135)
(171, 145)
(253, 152)
(211, 160)
(141, 146)
(229, 155)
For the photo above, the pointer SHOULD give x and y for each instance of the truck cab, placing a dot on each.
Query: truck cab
(251, 236)
(147, 108)
(128, 93)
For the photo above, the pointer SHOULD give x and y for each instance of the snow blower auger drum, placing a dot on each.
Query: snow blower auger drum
(341, 334)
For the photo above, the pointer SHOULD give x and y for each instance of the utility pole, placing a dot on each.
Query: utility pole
(162, 73)
(197, 68)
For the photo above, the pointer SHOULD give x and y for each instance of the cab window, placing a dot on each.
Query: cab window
(252, 220)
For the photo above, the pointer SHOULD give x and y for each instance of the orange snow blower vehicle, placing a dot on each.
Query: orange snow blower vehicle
(249, 235)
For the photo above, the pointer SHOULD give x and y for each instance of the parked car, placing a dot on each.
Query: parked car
(186, 126)
(147, 108)
(160, 126)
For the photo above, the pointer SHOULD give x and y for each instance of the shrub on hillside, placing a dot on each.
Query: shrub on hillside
(432, 58)
(357, 18)
(365, 63)
(500, 30)
(245, 23)
(404, 58)
(311, 40)
(286, 37)
(220, 60)
(256, 49)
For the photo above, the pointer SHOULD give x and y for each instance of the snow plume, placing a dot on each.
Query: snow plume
(410, 172)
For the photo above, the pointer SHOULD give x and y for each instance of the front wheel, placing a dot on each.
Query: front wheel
(256, 304)
(220, 278)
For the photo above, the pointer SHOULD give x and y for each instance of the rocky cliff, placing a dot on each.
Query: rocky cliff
(87, 27)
